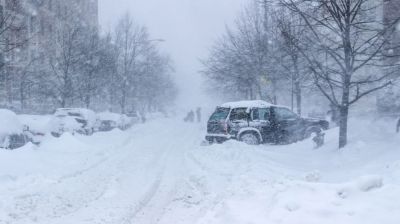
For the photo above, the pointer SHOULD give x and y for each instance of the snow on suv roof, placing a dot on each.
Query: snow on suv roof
(247, 104)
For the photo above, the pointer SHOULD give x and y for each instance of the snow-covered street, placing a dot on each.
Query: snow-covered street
(159, 173)
(199, 112)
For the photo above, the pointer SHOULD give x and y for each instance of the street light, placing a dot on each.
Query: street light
(157, 40)
(150, 41)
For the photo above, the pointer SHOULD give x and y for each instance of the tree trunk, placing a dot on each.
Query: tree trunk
(297, 84)
(251, 93)
(123, 101)
(87, 101)
(63, 102)
(8, 87)
(346, 78)
(22, 95)
(274, 91)
(298, 97)
(344, 114)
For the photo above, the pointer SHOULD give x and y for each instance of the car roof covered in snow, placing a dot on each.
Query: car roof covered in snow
(81, 110)
(85, 113)
(247, 104)
(9, 123)
(109, 116)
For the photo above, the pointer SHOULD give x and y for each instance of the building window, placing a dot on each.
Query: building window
(1, 17)
(58, 9)
(42, 27)
(32, 27)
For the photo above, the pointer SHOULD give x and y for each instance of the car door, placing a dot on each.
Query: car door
(238, 119)
(261, 121)
(287, 123)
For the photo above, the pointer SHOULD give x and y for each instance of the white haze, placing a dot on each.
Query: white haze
(189, 27)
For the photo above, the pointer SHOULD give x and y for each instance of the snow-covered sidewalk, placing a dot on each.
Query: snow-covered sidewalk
(159, 173)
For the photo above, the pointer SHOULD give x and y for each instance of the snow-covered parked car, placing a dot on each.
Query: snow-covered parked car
(135, 117)
(108, 121)
(256, 122)
(37, 126)
(12, 131)
(126, 122)
(73, 120)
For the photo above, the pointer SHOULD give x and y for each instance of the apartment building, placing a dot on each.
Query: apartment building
(27, 27)
(391, 11)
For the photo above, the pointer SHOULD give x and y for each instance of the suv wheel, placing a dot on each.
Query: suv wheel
(314, 130)
(249, 138)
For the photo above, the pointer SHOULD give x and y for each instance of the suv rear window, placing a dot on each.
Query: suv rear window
(220, 114)
(239, 114)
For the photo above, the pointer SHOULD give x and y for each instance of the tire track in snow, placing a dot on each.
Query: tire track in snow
(55, 199)
(163, 192)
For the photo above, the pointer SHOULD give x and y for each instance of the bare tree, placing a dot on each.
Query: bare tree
(292, 32)
(77, 66)
(13, 36)
(156, 89)
(241, 59)
(349, 40)
(63, 55)
(131, 41)
(94, 61)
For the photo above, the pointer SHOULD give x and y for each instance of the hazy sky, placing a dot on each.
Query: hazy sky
(189, 28)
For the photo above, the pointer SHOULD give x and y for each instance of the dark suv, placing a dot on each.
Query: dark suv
(256, 122)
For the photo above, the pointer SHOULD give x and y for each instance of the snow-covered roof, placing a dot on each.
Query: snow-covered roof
(80, 110)
(36, 123)
(109, 116)
(9, 123)
(247, 104)
(85, 113)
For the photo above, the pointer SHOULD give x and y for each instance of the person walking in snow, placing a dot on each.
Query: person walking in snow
(319, 139)
(191, 116)
(186, 119)
(198, 114)
(398, 126)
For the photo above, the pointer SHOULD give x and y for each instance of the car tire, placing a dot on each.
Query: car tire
(56, 134)
(249, 138)
(315, 130)
(282, 138)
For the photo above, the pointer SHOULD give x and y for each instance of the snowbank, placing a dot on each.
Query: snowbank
(153, 173)
(9, 123)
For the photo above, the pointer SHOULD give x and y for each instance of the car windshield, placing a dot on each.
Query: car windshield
(220, 113)
(284, 114)
(74, 114)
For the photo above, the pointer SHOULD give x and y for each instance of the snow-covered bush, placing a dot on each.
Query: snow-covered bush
(11, 130)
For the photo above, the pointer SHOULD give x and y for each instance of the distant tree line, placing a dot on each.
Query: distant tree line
(77, 66)
(343, 50)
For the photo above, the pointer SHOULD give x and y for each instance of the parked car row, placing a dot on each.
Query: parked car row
(86, 122)
(15, 134)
